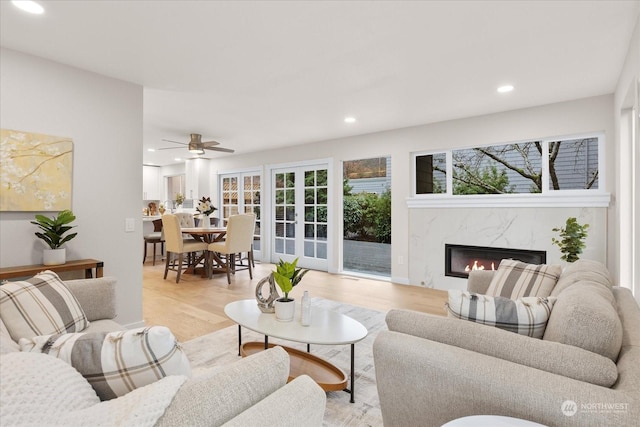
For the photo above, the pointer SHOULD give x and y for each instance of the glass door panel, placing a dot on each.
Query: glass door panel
(240, 193)
(300, 203)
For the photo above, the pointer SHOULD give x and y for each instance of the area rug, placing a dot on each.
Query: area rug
(221, 348)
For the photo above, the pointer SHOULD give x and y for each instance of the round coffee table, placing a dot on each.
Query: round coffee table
(327, 328)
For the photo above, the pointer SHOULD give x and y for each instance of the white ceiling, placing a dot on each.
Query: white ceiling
(260, 75)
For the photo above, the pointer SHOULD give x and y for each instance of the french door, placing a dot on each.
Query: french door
(300, 201)
(240, 193)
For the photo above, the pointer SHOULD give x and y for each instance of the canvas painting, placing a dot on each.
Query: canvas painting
(35, 171)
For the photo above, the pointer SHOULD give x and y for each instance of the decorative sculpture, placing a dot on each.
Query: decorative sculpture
(267, 305)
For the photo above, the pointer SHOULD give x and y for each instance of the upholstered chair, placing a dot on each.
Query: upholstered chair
(177, 247)
(239, 238)
(185, 219)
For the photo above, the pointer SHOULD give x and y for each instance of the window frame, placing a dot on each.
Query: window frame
(597, 197)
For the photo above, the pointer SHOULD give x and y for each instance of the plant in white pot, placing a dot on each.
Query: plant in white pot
(287, 276)
(53, 233)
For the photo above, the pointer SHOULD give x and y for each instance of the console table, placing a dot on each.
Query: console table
(31, 270)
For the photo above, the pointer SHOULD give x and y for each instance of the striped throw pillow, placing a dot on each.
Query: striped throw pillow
(114, 363)
(515, 279)
(39, 306)
(524, 316)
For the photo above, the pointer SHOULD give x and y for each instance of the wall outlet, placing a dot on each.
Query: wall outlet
(400, 260)
(129, 225)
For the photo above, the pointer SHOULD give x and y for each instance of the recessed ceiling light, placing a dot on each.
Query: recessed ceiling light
(349, 119)
(28, 6)
(178, 159)
(151, 149)
(505, 88)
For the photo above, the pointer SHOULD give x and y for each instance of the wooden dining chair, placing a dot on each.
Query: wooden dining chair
(153, 239)
(239, 238)
(177, 247)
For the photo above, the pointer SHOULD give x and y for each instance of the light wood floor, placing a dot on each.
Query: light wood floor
(195, 306)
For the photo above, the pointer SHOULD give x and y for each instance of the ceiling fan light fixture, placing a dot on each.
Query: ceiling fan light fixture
(195, 149)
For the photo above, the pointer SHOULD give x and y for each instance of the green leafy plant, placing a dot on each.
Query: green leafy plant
(53, 229)
(287, 276)
(571, 239)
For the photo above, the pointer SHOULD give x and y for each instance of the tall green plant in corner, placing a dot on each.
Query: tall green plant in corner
(571, 239)
(53, 229)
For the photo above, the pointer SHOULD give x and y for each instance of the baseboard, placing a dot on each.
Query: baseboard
(400, 280)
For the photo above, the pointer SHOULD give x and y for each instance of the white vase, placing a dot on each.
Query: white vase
(285, 310)
(54, 256)
(205, 222)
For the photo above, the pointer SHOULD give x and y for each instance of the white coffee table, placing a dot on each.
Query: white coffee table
(327, 328)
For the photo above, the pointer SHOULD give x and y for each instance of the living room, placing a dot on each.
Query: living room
(105, 117)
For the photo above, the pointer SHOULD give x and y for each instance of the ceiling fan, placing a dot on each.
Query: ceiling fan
(196, 146)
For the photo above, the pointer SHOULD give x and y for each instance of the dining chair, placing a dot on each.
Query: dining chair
(239, 238)
(185, 219)
(154, 238)
(177, 247)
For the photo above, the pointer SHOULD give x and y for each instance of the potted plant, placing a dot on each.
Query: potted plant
(179, 200)
(287, 275)
(53, 230)
(571, 242)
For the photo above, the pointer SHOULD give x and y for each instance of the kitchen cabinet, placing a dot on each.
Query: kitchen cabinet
(151, 183)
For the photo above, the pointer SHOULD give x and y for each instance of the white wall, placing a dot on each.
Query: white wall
(103, 116)
(579, 116)
(626, 110)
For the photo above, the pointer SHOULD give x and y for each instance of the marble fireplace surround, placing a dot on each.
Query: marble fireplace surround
(521, 228)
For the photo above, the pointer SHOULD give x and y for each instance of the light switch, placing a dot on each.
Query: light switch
(129, 225)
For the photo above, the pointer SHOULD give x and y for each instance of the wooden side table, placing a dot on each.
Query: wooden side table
(30, 270)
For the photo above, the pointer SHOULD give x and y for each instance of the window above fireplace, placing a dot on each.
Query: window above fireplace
(558, 172)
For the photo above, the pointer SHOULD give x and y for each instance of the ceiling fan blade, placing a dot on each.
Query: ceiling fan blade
(169, 148)
(175, 142)
(210, 143)
(224, 150)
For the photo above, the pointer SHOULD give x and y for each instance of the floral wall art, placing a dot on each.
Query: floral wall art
(35, 171)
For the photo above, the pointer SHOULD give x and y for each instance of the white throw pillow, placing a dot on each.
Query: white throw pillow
(525, 316)
(41, 305)
(115, 363)
(515, 279)
(37, 388)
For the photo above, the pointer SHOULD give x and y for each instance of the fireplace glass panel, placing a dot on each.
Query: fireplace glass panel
(460, 259)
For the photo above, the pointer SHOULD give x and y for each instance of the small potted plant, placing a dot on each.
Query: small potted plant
(287, 275)
(571, 239)
(179, 199)
(53, 230)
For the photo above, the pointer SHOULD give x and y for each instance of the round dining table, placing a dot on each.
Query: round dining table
(208, 235)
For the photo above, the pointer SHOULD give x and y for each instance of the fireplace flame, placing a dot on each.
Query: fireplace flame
(477, 266)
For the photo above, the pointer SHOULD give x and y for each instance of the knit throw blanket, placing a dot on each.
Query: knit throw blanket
(37, 388)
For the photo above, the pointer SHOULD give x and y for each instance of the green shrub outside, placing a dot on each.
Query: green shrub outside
(367, 217)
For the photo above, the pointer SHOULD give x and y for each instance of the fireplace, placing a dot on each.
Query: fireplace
(460, 259)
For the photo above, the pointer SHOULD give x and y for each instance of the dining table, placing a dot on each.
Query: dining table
(213, 263)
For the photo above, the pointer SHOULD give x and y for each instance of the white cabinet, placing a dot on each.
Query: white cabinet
(150, 183)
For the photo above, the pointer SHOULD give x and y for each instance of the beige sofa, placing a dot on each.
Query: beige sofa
(584, 372)
(250, 392)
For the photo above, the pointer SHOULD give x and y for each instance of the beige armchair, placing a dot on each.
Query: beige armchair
(177, 247)
(239, 238)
